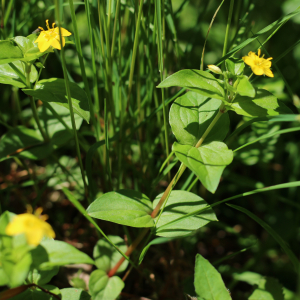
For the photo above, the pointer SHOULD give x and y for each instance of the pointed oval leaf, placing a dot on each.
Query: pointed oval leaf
(208, 281)
(268, 289)
(52, 253)
(9, 51)
(126, 207)
(53, 90)
(198, 81)
(245, 88)
(191, 114)
(207, 162)
(74, 294)
(102, 287)
(106, 256)
(235, 66)
(264, 104)
(179, 204)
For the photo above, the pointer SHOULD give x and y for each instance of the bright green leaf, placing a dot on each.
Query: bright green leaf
(52, 253)
(126, 207)
(208, 281)
(103, 287)
(207, 162)
(179, 204)
(41, 277)
(268, 289)
(13, 74)
(264, 104)
(106, 256)
(74, 294)
(53, 90)
(38, 294)
(198, 81)
(235, 66)
(245, 88)
(191, 114)
(9, 51)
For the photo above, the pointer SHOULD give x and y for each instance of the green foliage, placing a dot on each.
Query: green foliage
(54, 90)
(208, 281)
(180, 204)
(268, 289)
(126, 207)
(207, 162)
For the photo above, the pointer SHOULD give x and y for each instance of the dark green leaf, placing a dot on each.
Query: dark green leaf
(179, 204)
(126, 207)
(198, 81)
(263, 104)
(208, 281)
(191, 114)
(207, 162)
(38, 294)
(53, 90)
(103, 287)
(106, 256)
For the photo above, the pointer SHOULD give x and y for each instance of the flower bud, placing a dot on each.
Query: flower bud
(214, 69)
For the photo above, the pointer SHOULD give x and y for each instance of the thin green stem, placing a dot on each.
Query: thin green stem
(32, 104)
(115, 29)
(68, 91)
(228, 27)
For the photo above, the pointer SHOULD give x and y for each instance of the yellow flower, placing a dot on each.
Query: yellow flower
(259, 65)
(50, 37)
(214, 69)
(32, 225)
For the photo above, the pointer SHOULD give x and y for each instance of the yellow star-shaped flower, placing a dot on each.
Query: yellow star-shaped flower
(50, 37)
(259, 65)
(32, 225)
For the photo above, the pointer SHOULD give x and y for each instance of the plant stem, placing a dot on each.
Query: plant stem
(32, 104)
(167, 192)
(228, 28)
(68, 91)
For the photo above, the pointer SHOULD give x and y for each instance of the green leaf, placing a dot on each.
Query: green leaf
(9, 51)
(74, 294)
(272, 232)
(207, 162)
(53, 90)
(191, 114)
(125, 207)
(268, 289)
(235, 66)
(103, 287)
(20, 138)
(179, 204)
(16, 264)
(4, 279)
(5, 241)
(52, 253)
(263, 104)
(41, 277)
(198, 81)
(38, 294)
(106, 256)
(208, 281)
(245, 88)
(13, 74)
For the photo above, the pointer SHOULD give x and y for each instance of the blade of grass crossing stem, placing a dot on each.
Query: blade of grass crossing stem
(266, 189)
(268, 135)
(107, 143)
(82, 68)
(62, 53)
(280, 22)
(273, 233)
(134, 51)
(161, 68)
(210, 25)
(81, 209)
(94, 69)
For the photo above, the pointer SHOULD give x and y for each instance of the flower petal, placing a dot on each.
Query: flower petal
(64, 32)
(44, 45)
(268, 72)
(248, 60)
(257, 70)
